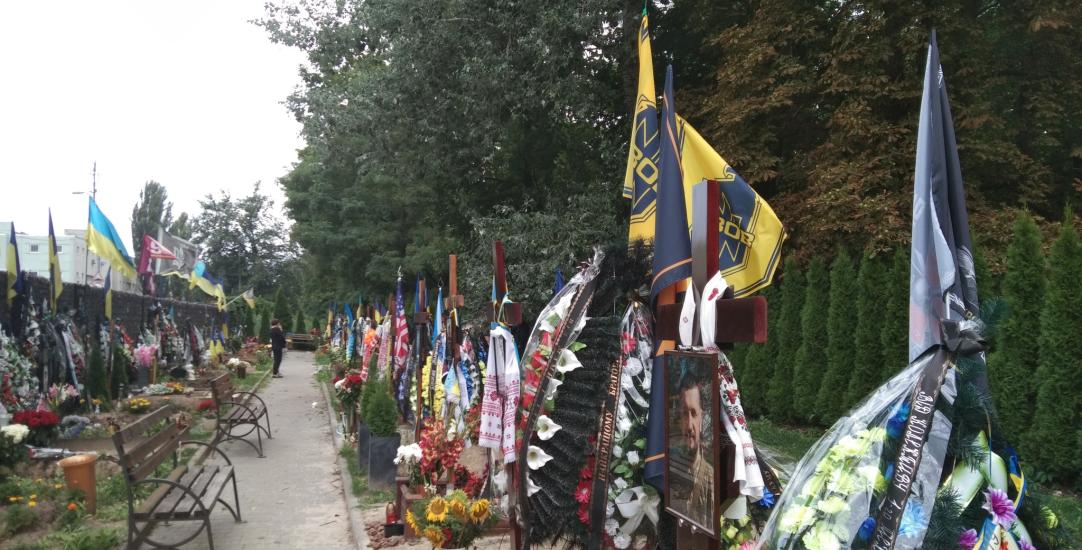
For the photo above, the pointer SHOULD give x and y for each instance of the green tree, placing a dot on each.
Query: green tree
(840, 346)
(249, 323)
(1013, 366)
(243, 243)
(894, 337)
(151, 213)
(1054, 432)
(754, 378)
(282, 310)
(181, 227)
(97, 381)
(299, 325)
(264, 325)
(811, 356)
(780, 394)
(867, 363)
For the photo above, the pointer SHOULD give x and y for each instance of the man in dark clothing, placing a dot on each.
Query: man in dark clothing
(278, 344)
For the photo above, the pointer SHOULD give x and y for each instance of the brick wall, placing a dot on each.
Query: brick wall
(132, 310)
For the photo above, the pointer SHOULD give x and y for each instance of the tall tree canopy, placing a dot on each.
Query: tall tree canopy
(242, 242)
(152, 212)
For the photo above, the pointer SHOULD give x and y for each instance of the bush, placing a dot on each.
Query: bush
(299, 325)
(281, 311)
(867, 360)
(264, 326)
(19, 518)
(894, 336)
(97, 383)
(382, 416)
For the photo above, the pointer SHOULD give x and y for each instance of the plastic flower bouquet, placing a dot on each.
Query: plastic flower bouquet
(138, 405)
(145, 355)
(43, 425)
(451, 522)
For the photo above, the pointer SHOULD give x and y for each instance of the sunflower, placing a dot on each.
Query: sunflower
(437, 509)
(458, 509)
(411, 520)
(479, 511)
(435, 536)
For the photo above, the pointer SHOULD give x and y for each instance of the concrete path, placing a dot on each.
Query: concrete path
(292, 498)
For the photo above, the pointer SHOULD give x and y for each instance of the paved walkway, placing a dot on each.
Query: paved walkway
(293, 497)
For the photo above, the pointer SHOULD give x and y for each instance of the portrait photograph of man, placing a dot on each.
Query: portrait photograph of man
(691, 457)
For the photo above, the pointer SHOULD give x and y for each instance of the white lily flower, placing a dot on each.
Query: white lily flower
(568, 362)
(531, 487)
(546, 428)
(536, 458)
(550, 388)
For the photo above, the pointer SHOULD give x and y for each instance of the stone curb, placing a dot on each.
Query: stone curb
(356, 522)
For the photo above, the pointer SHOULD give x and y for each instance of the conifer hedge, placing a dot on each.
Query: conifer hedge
(840, 345)
(867, 370)
(779, 393)
(811, 355)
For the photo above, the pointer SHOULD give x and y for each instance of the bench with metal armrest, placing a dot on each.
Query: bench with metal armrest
(239, 413)
(187, 493)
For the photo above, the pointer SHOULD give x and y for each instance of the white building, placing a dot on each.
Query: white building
(76, 266)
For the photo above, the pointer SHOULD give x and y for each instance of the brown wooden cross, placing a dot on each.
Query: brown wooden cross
(738, 320)
(421, 320)
(450, 303)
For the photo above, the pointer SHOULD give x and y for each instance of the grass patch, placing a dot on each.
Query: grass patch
(789, 443)
(359, 482)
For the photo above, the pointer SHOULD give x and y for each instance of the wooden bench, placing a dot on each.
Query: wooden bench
(187, 493)
(238, 410)
(296, 340)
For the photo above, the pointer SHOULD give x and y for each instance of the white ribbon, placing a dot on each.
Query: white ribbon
(687, 318)
(634, 504)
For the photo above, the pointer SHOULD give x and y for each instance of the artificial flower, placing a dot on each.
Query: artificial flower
(617, 451)
(832, 505)
(31, 504)
(795, 517)
(1025, 545)
(458, 509)
(967, 540)
(568, 362)
(550, 388)
(633, 457)
(821, 538)
(768, 499)
(411, 520)
(621, 541)
(620, 483)
(867, 529)
(15, 432)
(914, 520)
(999, 505)
(437, 509)
(435, 536)
(546, 428)
(531, 487)
(582, 492)
(72, 506)
(611, 526)
(480, 511)
(536, 457)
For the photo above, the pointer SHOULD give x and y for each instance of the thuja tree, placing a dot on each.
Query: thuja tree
(300, 325)
(840, 347)
(894, 336)
(249, 323)
(811, 356)
(1054, 433)
(779, 394)
(868, 360)
(281, 311)
(759, 361)
(264, 326)
(1012, 367)
(97, 383)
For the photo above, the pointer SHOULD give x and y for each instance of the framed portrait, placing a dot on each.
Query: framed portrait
(693, 411)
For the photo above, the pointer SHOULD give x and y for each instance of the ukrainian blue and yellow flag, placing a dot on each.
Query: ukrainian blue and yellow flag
(56, 283)
(16, 282)
(644, 150)
(109, 294)
(103, 240)
(207, 283)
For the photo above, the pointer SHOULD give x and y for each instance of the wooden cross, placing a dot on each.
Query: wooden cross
(453, 301)
(421, 320)
(738, 320)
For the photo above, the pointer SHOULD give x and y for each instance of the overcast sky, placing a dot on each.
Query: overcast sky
(189, 94)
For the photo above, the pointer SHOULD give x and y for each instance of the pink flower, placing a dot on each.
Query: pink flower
(968, 539)
(748, 545)
(1026, 546)
(998, 504)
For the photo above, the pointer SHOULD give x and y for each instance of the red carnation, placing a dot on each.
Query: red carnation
(582, 493)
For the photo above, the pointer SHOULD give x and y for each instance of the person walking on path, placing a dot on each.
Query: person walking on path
(278, 344)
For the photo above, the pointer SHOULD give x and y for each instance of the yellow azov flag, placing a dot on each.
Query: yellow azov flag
(751, 235)
(644, 150)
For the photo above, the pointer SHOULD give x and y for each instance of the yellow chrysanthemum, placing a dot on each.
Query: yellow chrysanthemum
(437, 510)
(458, 509)
(435, 536)
(479, 511)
